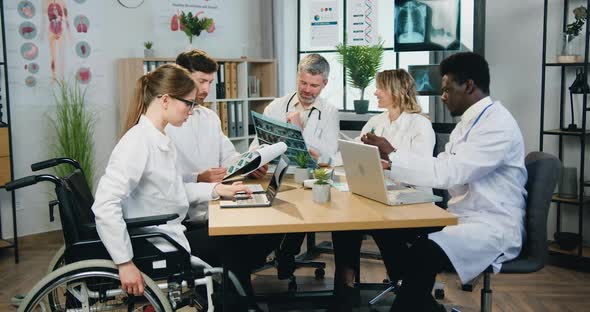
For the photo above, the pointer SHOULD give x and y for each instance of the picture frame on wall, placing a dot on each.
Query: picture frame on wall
(427, 78)
(427, 25)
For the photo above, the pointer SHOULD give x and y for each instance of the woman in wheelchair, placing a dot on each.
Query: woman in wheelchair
(141, 178)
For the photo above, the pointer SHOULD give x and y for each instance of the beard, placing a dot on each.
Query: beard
(307, 99)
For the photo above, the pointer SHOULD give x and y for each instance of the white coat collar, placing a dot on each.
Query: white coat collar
(475, 109)
(162, 140)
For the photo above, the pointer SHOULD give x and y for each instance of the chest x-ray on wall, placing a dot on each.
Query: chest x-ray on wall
(427, 25)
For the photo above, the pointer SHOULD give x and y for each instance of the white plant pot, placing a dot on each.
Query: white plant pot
(301, 174)
(148, 52)
(321, 193)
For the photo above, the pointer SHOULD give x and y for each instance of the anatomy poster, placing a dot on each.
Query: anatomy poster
(168, 13)
(52, 40)
(323, 18)
(361, 22)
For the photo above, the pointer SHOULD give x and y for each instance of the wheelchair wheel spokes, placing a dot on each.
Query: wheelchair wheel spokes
(90, 289)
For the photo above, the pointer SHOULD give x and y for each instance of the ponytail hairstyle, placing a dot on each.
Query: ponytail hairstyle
(400, 84)
(168, 79)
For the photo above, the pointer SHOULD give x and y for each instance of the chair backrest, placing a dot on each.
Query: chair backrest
(442, 138)
(543, 172)
(75, 201)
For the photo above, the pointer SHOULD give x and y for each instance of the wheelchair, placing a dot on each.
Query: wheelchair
(83, 277)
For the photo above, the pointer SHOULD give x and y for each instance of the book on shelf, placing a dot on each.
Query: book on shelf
(227, 76)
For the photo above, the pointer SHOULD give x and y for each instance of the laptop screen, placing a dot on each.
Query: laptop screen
(277, 177)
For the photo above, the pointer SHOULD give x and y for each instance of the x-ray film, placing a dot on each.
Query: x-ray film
(427, 77)
(271, 131)
(427, 25)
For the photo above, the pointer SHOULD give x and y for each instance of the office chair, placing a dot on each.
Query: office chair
(543, 172)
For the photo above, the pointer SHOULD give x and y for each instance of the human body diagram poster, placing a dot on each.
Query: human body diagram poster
(168, 13)
(271, 131)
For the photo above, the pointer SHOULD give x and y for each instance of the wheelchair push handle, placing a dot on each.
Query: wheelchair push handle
(30, 180)
(54, 162)
(22, 182)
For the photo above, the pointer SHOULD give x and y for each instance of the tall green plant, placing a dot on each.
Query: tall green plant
(74, 126)
(361, 62)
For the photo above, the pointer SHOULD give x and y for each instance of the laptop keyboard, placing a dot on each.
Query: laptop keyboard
(255, 199)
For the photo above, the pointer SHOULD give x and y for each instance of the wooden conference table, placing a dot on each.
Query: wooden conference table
(293, 211)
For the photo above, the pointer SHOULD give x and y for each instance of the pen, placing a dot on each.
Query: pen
(373, 130)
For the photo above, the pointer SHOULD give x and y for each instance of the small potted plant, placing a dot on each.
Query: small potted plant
(362, 64)
(568, 50)
(321, 187)
(194, 25)
(148, 52)
(301, 173)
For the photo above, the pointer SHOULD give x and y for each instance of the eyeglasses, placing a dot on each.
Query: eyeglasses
(191, 104)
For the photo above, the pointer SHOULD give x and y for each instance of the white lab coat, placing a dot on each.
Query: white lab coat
(319, 134)
(142, 179)
(483, 169)
(201, 145)
(409, 132)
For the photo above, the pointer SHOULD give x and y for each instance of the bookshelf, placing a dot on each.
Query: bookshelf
(242, 93)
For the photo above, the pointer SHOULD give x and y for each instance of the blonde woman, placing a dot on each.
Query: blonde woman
(402, 123)
(405, 128)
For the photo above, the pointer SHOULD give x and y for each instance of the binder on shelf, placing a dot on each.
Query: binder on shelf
(223, 118)
(239, 119)
(227, 76)
(234, 80)
(231, 118)
(220, 86)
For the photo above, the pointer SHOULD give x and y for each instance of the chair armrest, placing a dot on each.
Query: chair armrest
(133, 223)
(151, 220)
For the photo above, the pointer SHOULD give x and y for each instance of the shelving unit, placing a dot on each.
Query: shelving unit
(265, 70)
(6, 163)
(577, 257)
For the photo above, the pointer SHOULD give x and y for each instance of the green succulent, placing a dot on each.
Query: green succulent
(321, 175)
(148, 44)
(301, 159)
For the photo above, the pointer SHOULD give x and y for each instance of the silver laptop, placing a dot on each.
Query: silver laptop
(260, 199)
(364, 175)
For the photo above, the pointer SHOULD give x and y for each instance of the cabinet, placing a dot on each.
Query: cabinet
(6, 142)
(234, 109)
(557, 77)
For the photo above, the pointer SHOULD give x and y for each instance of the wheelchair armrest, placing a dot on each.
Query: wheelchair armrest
(133, 223)
(148, 221)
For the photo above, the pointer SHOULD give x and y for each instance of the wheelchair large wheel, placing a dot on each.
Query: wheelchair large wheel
(91, 285)
(58, 260)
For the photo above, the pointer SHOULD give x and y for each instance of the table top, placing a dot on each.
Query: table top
(293, 210)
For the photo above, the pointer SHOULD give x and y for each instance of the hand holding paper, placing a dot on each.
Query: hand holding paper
(251, 161)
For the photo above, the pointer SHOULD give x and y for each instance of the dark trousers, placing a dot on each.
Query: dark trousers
(239, 254)
(425, 260)
(393, 245)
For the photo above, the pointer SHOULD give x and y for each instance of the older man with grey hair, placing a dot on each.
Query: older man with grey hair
(317, 118)
(320, 125)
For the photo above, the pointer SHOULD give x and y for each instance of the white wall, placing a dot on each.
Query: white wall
(242, 29)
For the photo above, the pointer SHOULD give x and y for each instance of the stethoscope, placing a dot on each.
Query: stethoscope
(310, 111)
(472, 125)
